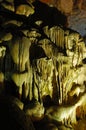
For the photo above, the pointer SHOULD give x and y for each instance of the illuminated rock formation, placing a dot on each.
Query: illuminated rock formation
(42, 63)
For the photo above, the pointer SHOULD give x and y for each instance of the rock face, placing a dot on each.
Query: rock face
(65, 6)
(74, 10)
(79, 16)
(12, 117)
(43, 77)
(42, 64)
(62, 114)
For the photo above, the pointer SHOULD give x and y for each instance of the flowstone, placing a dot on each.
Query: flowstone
(43, 65)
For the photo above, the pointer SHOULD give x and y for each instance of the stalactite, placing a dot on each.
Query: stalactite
(60, 38)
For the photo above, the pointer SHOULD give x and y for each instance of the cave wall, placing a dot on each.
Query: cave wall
(74, 10)
(43, 59)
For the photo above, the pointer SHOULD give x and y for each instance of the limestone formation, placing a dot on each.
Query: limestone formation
(24, 10)
(42, 78)
(2, 51)
(5, 36)
(65, 114)
(35, 110)
(21, 80)
(77, 90)
(9, 5)
(42, 65)
(21, 58)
